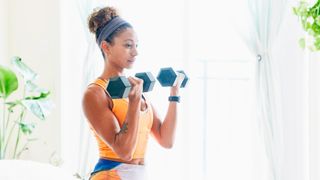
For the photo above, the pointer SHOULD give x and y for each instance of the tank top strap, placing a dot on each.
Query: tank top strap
(103, 84)
(100, 82)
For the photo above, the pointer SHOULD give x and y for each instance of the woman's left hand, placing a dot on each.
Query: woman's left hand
(175, 88)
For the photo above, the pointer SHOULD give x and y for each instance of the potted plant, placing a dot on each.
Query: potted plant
(309, 17)
(13, 122)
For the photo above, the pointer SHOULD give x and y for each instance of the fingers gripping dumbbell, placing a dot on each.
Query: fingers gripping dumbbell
(119, 87)
(168, 77)
(148, 80)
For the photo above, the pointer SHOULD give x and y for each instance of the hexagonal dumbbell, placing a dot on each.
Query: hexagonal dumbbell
(118, 87)
(167, 77)
(148, 80)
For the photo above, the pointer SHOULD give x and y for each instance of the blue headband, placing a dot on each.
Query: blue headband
(109, 28)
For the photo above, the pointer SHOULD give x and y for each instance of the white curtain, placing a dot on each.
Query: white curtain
(313, 124)
(265, 19)
(87, 155)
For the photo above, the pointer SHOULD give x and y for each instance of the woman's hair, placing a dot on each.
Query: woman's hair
(100, 18)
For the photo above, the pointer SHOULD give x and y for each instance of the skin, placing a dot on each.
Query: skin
(120, 55)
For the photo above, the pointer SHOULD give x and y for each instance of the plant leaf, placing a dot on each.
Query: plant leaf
(317, 43)
(8, 82)
(42, 95)
(27, 73)
(302, 43)
(32, 87)
(12, 105)
(26, 128)
(40, 108)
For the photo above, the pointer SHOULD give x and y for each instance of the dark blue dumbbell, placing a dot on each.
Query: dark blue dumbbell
(148, 80)
(167, 77)
(119, 87)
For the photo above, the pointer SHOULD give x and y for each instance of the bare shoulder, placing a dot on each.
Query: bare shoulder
(95, 99)
(94, 93)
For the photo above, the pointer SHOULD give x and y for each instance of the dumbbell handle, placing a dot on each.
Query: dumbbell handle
(185, 79)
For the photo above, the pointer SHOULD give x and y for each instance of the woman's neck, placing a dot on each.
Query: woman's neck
(111, 71)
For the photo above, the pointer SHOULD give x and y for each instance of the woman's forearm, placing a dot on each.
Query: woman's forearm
(168, 127)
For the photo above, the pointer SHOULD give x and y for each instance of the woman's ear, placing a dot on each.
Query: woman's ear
(105, 46)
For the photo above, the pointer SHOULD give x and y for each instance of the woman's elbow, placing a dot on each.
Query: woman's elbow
(126, 157)
(167, 145)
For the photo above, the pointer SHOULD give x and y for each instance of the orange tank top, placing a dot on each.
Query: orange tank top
(120, 107)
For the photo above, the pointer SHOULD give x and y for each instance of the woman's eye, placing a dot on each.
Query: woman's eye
(128, 45)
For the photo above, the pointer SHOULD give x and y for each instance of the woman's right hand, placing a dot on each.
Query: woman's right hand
(136, 89)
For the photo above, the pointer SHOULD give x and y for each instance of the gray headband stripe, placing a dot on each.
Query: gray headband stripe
(107, 30)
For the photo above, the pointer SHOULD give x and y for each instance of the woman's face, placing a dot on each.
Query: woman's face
(123, 51)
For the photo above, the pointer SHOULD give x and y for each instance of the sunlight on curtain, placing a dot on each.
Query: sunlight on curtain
(264, 20)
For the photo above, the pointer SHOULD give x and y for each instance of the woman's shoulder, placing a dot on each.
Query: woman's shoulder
(95, 95)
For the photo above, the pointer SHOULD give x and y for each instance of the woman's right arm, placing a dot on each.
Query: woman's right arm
(96, 106)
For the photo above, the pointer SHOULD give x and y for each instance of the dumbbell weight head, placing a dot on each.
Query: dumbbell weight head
(118, 87)
(148, 80)
(167, 77)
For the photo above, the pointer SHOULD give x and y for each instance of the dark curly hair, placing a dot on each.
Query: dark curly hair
(100, 18)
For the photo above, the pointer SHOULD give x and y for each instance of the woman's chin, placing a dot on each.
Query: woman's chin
(129, 67)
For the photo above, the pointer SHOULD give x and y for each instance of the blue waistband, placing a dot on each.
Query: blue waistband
(104, 164)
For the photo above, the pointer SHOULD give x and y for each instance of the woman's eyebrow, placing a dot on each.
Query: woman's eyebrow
(129, 40)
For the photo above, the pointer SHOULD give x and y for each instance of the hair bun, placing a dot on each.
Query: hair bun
(100, 17)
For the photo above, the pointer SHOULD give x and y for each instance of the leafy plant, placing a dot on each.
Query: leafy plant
(13, 123)
(309, 17)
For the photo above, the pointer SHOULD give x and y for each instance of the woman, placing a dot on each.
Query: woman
(122, 126)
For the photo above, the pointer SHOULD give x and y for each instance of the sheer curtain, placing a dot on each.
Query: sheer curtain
(92, 67)
(265, 17)
(81, 60)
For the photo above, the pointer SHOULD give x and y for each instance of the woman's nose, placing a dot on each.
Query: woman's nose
(134, 51)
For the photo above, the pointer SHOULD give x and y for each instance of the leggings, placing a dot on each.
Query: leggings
(121, 171)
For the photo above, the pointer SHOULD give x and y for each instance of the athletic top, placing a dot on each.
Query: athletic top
(119, 108)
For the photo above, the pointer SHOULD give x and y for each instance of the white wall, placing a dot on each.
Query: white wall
(314, 125)
(3, 30)
(33, 34)
(299, 77)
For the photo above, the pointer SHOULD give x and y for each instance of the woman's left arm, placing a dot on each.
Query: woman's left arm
(164, 131)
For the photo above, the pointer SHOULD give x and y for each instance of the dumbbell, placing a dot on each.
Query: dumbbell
(148, 80)
(167, 77)
(119, 87)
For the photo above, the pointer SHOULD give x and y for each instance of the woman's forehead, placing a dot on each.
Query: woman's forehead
(128, 34)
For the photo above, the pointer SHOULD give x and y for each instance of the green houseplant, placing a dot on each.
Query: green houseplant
(15, 128)
(309, 17)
